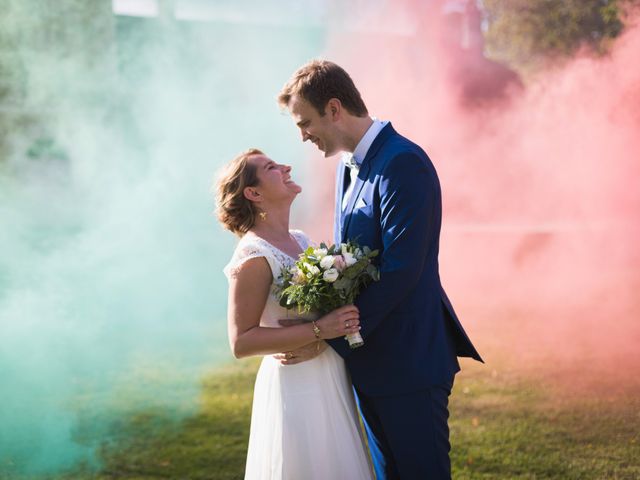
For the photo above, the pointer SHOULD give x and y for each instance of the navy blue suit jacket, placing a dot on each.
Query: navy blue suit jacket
(412, 334)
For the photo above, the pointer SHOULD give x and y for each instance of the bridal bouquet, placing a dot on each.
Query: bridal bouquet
(327, 278)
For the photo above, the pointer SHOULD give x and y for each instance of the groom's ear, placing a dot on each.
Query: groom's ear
(250, 193)
(334, 109)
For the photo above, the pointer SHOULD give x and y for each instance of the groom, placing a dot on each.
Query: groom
(388, 198)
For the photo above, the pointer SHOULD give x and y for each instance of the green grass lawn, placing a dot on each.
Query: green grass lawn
(510, 427)
(503, 426)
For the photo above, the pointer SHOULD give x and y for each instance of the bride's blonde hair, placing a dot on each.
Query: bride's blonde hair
(235, 212)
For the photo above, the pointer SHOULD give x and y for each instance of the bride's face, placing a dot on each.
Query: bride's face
(274, 180)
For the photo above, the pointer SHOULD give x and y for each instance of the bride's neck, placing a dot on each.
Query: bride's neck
(275, 225)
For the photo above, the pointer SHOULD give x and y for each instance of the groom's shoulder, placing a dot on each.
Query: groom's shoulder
(395, 142)
(399, 146)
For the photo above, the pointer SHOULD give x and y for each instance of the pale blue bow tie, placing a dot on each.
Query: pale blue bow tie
(350, 162)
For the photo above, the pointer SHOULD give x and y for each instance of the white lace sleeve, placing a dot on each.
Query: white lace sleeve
(246, 250)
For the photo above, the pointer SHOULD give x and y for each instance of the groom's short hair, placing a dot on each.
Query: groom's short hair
(318, 81)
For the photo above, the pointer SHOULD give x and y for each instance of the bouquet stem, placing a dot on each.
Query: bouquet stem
(355, 340)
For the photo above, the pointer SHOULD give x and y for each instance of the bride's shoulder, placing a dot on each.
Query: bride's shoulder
(248, 244)
(249, 238)
(247, 248)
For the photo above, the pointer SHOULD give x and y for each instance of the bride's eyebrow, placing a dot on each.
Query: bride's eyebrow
(268, 164)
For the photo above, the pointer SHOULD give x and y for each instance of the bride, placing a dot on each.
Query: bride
(304, 423)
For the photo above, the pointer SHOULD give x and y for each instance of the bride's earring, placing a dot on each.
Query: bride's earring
(263, 215)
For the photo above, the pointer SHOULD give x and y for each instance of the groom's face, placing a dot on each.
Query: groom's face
(319, 129)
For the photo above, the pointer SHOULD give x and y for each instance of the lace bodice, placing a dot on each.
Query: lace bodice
(251, 246)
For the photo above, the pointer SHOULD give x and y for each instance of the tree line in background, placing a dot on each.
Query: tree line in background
(52, 54)
(531, 34)
(39, 41)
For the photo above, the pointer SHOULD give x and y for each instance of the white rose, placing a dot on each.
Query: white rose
(320, 253)
(330, 275)
(313, 270)
(326, 262)
(343, 248)
(349, 259)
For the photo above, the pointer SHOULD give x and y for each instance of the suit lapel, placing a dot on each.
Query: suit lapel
(346, 213)
(363, 174)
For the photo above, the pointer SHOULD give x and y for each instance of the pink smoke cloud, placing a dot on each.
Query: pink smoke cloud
(540, 247)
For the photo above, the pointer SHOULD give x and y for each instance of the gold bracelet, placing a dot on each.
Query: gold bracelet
(316, 330)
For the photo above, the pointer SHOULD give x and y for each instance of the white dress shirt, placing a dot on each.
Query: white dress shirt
(355, 159)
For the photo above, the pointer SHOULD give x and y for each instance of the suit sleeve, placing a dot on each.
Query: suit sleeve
(410, 207)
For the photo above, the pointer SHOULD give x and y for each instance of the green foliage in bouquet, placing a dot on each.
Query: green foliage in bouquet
(327, 278)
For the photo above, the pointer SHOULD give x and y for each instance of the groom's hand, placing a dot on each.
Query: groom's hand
(301, 354)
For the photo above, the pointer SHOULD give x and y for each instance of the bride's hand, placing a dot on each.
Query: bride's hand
(340, 322)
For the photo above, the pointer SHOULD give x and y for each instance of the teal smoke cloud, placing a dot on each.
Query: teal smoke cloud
(111, 291)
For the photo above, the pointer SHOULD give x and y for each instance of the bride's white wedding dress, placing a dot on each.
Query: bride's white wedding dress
(304, 424)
